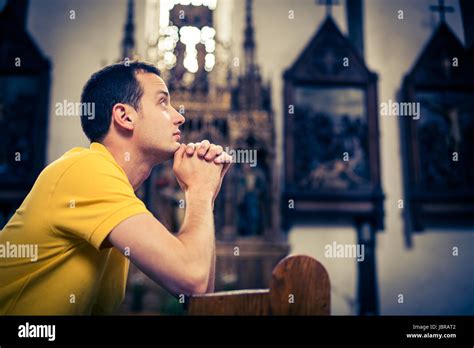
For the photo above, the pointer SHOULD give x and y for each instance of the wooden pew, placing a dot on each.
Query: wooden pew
(299, 286)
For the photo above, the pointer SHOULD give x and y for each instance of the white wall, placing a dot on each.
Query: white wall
(77, 48)
(430, 278)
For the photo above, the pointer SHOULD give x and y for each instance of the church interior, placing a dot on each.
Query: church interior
(353, 122)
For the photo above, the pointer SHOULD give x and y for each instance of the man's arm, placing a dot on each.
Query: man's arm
(202, 149)
(159, 254)
(212, 273)
(184, 263)
(197, 233)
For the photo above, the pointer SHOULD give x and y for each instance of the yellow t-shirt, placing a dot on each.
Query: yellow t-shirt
(75, 202)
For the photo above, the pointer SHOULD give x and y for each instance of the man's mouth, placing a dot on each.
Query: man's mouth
(177, 135)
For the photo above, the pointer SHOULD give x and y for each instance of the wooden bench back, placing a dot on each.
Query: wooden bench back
(299, 286)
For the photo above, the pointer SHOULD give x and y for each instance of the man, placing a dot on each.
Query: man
(85, 221)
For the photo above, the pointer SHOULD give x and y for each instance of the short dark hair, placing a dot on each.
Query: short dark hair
(116, 83)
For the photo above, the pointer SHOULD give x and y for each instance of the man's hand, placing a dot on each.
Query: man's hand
(205, 152)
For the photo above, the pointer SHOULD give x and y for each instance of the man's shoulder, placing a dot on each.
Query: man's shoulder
(69, 158)
(79, 161)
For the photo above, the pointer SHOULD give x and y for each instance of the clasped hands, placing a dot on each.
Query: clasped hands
(201, 167)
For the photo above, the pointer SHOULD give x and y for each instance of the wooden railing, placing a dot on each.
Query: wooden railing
(299, 286)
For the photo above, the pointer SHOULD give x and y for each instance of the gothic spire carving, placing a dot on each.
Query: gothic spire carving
(128, 42)
(249, 41)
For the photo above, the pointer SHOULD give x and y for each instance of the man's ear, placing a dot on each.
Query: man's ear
(123, 116)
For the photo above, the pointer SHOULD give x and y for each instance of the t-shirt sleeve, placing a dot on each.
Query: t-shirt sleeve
(90, 198)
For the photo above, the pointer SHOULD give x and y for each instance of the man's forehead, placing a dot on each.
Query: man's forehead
(152, 82)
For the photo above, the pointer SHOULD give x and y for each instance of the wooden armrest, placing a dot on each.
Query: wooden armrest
(240, 302)
(299, 286)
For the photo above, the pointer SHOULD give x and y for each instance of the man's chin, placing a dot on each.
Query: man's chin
(165, 155)
(176, 147)
(170, 154)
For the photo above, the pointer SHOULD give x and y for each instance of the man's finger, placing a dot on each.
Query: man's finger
(221, 158)
(190, 149)
(204, 147)
(178, 155)
(224, 157)
(227, 164)
(214, 151)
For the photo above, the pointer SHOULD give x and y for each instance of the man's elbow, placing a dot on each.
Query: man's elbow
(199, 288)
(197, 283)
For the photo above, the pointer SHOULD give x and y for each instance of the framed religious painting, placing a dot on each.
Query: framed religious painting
(438, 146)
(331, 138)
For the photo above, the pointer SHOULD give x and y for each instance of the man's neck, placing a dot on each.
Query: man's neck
(136, 167)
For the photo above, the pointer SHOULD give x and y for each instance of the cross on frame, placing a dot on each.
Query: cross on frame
(328, 4)
(442, 9)
(329, 61)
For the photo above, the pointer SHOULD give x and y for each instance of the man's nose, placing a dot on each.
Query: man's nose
(179, 119)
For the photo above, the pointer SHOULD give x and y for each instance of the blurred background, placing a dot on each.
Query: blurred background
(302, 85)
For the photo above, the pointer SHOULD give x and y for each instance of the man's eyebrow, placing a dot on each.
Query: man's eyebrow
(163, 92)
